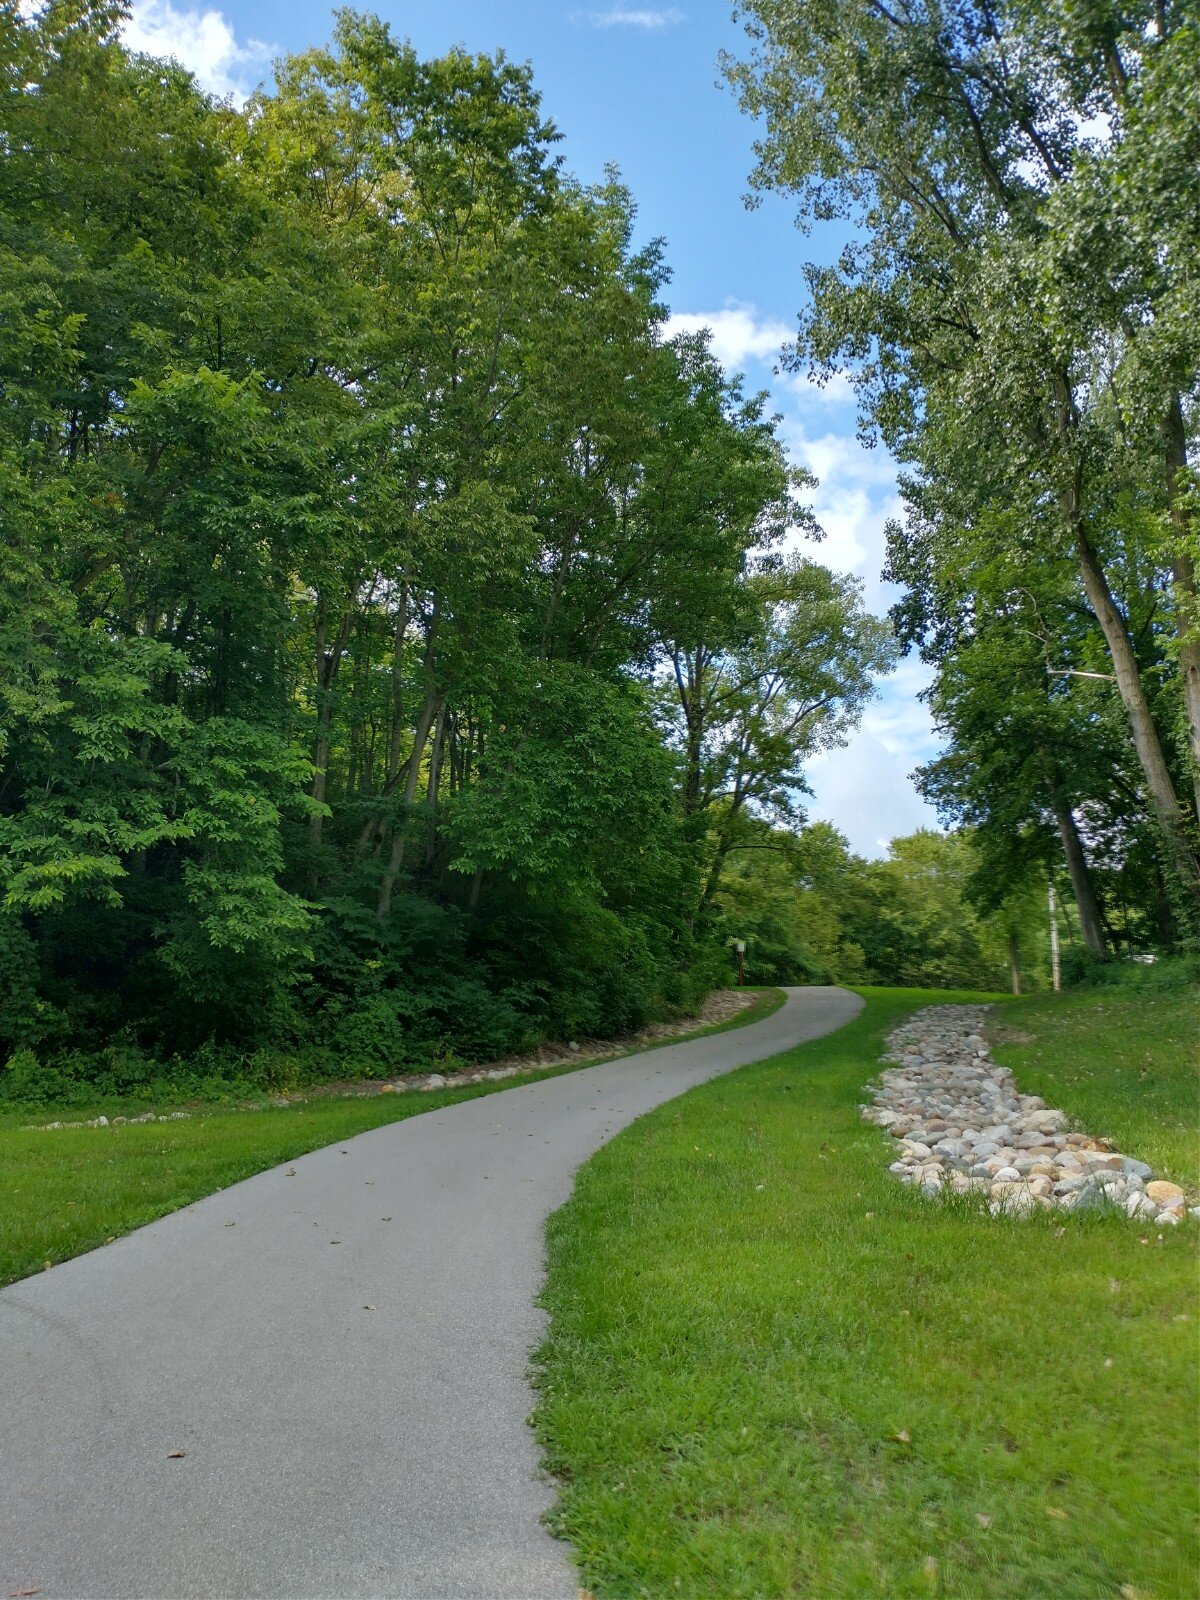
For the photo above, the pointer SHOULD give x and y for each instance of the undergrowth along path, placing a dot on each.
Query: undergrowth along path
(70, 1189)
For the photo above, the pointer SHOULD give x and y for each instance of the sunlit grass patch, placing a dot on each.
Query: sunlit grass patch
(774, 1370)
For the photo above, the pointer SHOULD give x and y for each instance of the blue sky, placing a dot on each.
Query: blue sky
(638, 85)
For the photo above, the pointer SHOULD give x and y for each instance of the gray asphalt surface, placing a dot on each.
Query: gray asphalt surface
(331, 1450)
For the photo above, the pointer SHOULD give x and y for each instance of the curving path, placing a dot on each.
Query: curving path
(331, 1449)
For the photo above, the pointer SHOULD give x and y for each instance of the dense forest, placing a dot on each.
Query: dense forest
(1020, 313)
(399, 638)
(408, 649)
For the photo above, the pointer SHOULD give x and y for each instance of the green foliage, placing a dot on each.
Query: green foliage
(1018, 314)
(1164, 975)
(354, 500)
(812, 911)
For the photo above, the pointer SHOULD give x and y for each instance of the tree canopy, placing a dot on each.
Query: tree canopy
(362, 526)
(1018, 308)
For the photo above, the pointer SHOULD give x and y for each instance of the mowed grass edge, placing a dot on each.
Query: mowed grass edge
(68, 1190)
(772, 1370)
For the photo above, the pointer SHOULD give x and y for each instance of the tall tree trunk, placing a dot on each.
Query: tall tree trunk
(429, 711)
(1183, 572)
(473, 896)
(320, 756)
(1014, 961)
(431, 788)
(397, 726)
(1171, 817)
(372, 828)
(1090, 923)
(326, 663)
(1052, 908)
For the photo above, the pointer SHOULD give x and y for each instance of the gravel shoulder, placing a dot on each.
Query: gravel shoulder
(313, 1383)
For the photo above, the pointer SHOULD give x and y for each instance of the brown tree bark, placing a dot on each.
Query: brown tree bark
(431, 788)
(1170, 815)
(1183, 572)
(429, 712)
(326, 664)
(1088, 906)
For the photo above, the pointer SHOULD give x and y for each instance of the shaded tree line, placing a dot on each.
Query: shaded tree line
(396, 634)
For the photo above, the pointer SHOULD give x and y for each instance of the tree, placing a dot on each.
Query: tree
(963, 141)
(746, 709)
(354, 502)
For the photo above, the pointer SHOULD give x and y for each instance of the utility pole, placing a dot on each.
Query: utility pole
(1055, 971)
(740, 946)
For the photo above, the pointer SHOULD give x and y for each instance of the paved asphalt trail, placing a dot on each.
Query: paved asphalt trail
(332, 1450)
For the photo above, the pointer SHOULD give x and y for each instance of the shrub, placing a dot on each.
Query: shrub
(1081, 970)
(30, 1081)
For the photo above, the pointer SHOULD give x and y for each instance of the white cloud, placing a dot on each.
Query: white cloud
(739, 334)
(899, 720)
(837, 390)
(619, 17)
(854, 499)
(202, 41)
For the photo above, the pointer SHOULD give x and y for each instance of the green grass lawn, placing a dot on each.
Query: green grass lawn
(1126, 1065)
(772, 1370)
(68, 1190)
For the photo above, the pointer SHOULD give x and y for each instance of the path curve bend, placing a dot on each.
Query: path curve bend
(331, 1449)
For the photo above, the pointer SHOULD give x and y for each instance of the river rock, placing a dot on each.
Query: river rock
(961, 1126)
(1161, 1192)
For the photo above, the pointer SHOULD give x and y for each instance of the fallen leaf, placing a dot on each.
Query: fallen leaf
(1128, 1592)
(982, 1518)
(335, 1241)
(290, 1174)
(21, 1594)
(231, 1224)
(1055, 1512)
(176, 1455)
(368, 1308)
(903, 1437)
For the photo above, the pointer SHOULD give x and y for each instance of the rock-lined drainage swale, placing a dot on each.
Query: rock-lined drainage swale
(960, 1126)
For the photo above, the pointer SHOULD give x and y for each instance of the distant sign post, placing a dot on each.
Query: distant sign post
(740, 946)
